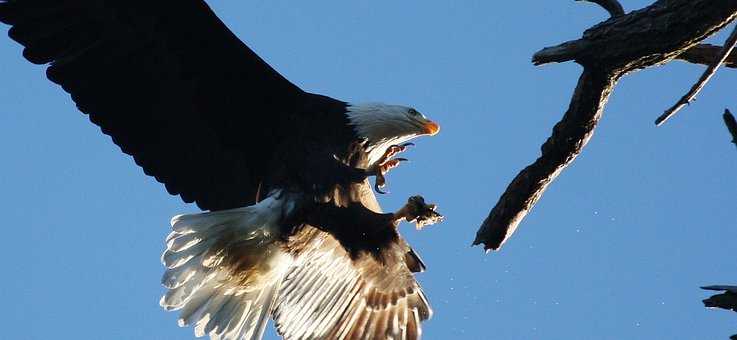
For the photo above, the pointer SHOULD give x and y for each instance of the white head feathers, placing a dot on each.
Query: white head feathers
(384, 125)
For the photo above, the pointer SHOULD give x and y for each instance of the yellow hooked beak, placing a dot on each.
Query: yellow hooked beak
(431, 128)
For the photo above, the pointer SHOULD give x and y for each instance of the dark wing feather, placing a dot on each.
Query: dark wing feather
(327, 295)
(172, 86)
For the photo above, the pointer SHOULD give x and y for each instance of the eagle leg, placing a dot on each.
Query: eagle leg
(386, 163)
(419, 212)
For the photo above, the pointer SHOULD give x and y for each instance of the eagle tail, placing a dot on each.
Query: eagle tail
(224, 268)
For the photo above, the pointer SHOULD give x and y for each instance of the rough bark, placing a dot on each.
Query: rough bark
(643, 38)
(646, 37)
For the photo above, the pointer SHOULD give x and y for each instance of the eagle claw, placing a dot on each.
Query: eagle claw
(383, 169)
(386, 163)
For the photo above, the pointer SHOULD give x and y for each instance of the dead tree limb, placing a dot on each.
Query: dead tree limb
(622, 44)
(705, 77)
(569, 137)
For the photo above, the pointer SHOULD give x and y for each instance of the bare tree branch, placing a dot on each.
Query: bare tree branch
(569, 137)
(704, 54)
(612, 6)
(731, 125)
(696, 88)
(622, 44)
(646, 37)
(707, 54)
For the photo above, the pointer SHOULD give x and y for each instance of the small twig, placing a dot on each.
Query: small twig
(696, 88)
(707, 54)
(612, 6)
(731, 125)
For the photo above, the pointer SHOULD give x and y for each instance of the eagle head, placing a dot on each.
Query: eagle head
(383, 125)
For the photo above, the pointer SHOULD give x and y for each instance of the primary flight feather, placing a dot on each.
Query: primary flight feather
(294, 231)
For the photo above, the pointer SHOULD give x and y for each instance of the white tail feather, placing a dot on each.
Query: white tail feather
(175, 278)
(226, 303)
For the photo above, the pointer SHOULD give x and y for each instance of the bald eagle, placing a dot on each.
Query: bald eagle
(293, 230)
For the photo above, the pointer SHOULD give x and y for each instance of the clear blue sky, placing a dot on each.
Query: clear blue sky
(616, 249)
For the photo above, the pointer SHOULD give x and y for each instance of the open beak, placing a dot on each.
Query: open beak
(431, 128)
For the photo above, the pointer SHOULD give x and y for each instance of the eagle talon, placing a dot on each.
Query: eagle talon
(385, 164)
(380, 183)
(378, 189)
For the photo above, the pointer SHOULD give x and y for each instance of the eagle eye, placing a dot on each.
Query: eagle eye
(414, 112)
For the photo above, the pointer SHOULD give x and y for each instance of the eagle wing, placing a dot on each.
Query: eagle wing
(328, 295)
(227, 271)
(171, 84)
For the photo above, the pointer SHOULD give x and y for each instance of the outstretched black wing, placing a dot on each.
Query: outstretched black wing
(172, 86)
